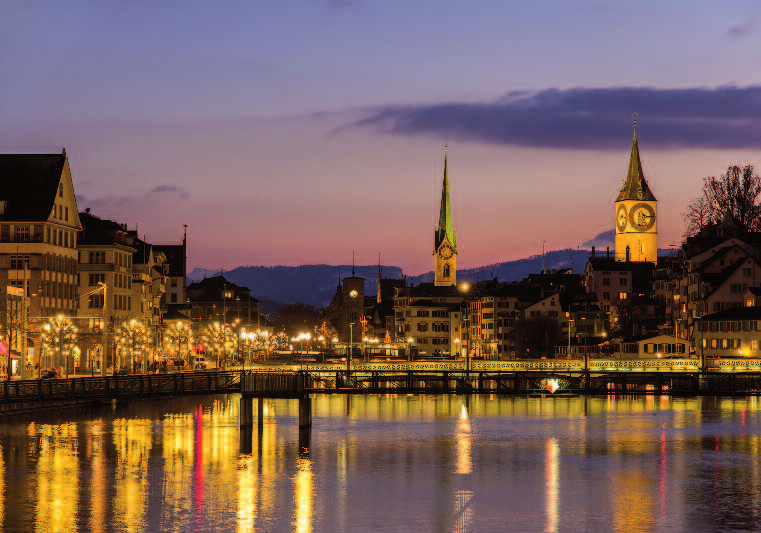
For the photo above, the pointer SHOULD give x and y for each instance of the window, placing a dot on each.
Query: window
(60, 190)
(747, 272)
(18, 262)
(97, 278)
(606, 296)
(622, 296)
(422, 326)
(623, 282)
(447, 270)
(95, 301)
(606, 282)
(22, 233)
(440, 314)
(422, 312)
(736, 287)
(96, 257)
(440, 327)
(174, 282)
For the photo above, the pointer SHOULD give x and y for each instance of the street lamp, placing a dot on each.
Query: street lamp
(409, 355)
(676, 324)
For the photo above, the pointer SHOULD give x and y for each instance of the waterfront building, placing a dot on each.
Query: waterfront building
(176, 274)
(105, 288)
(734, 332)
(38, 247)
(429, 319)
(217, 299)
(636, 211)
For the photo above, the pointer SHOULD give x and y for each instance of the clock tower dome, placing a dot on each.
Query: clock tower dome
(636, 228)
(445, 239)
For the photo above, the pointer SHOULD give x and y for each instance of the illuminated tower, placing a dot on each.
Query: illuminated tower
(445, 239)
(636, 229)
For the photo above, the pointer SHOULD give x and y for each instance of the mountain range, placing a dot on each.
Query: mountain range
(316, 284)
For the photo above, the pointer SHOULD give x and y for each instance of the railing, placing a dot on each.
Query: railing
(120, 386)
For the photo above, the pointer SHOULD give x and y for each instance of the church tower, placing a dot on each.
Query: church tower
(636, 229)
(445, 239)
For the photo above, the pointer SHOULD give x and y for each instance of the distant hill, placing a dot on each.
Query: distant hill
(316, 284)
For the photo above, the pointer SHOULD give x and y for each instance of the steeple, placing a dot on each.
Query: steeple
(446, 227)
(635, 187)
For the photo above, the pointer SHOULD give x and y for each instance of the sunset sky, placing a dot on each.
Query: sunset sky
(297, 131)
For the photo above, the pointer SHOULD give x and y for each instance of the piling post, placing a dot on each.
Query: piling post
(246, 413)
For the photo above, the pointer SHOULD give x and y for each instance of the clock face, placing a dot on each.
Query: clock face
(621, 217)
(446, 251)
(642, 217)
(353, 294)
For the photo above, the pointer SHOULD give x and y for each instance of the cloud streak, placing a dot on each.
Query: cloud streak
(106, 205)
(725, 117)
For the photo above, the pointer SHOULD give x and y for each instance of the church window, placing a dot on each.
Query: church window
(60, 190)
(447, 270)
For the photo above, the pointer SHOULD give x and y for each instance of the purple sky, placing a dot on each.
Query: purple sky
(297, 131)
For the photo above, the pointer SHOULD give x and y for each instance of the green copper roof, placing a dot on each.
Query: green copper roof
(635, 187)
(446, 227)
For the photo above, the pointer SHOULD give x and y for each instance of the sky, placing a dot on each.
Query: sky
(301, 131)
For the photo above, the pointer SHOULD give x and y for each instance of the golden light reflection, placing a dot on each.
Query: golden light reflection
(303, 496)
(463, 511)
(463, 443)
(57, 478)
(552, 484)
(343, 492)
(2, 487)
(132, 440)
(178, 453)
(98, 483)
(248, 473)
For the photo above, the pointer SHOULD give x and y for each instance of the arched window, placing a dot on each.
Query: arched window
(446, 270)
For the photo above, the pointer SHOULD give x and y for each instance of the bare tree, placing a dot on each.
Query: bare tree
(735, 191)
(698, 215)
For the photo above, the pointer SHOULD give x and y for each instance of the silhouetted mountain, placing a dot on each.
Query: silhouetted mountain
(316, 284)
(310, 284)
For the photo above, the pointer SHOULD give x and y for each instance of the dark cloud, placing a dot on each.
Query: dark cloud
(106, 205)
(724, 117)
(741, 30)
(341, 3)
(170, 189)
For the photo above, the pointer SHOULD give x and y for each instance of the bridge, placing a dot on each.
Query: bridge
(676, 376)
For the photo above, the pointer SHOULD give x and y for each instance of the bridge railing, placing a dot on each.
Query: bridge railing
(117, 386)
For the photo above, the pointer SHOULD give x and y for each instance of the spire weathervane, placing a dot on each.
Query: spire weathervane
(635, 115)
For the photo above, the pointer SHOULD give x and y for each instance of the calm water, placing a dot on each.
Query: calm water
(378, 463)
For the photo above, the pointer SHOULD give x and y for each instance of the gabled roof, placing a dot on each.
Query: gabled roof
(635, 187)
(29, 184)
(446, 226)
(99, 231)
(734, 313)
(175, 258)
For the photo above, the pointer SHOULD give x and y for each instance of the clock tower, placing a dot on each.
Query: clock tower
(636, 228)
(445, 239)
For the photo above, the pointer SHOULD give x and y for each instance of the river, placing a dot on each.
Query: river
(388, 463)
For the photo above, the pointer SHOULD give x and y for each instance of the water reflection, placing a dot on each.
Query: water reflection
(389, 463)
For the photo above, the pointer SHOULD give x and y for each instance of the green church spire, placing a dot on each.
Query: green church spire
(446, 227)
(635, 187)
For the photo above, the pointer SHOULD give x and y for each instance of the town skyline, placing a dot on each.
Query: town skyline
(278, 144)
